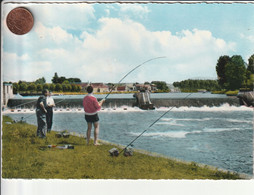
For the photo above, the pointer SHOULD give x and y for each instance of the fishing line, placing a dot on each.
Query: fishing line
(151, 125)
(20, 105)
(131, 72)
(23, 118)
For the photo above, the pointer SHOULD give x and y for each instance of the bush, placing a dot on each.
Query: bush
(232, 93)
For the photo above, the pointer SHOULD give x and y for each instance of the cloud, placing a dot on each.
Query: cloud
(23, 67)
(136, 10)
(128, 42)
(247, 37)
(108, 53)
(76, 16)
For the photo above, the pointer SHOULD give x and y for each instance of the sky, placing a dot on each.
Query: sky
(103, 42)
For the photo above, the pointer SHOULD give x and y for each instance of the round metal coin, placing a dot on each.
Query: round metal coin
(20, 21)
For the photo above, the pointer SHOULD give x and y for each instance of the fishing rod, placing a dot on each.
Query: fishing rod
(20, 105)
(131, 72)
(23, 118)
(130, 144)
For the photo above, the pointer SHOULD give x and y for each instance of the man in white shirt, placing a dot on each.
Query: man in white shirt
(49, 116)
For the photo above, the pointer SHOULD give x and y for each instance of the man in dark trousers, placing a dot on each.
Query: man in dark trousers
(41, 114)
(49, 115)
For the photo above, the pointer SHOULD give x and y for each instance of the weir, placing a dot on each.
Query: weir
(28, 103)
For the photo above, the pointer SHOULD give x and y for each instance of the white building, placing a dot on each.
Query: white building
(7, 93)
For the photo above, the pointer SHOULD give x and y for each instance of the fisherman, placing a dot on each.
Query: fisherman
(41, 114)
(49, 108)
(91, 108)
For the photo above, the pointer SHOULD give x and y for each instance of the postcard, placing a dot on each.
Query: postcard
(120, 97)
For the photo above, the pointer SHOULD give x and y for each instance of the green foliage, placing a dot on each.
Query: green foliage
(52, 87)
(58, 87)
(194, 85)
(39, 87)
(31, 87)
(161, 86)
(15, 88)
(55, 78)
(40, 81)
(251, 64)
(221, 69)
(23, 87)
(26, 156)
(62, 80)
(233, 73)
(232, 93)
(46, 86)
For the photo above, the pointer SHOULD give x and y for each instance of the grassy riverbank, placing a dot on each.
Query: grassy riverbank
(26, 156)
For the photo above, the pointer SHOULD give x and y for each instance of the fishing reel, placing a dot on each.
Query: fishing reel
(127, 152)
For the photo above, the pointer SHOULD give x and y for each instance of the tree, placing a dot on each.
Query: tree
(31, 87)
(40, 81)
(220, 69)
(161, 85)
(66, 87)
(251, 64)
(73, 87)
(39, 87)
(46, 86)
(58, 87)
(61, 80)
(52, 87)
(55, 78)
(74, 80)
(15, 88)
(78, 88)
(23, 87)
(235, 72)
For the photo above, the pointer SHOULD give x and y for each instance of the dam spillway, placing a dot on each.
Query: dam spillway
(119, 100)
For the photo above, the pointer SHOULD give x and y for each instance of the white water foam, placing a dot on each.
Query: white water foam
(222, 108)
(176, 134)
(172, 123)
(186, 119)
(182, 134)
(215, 130)
(249, 121)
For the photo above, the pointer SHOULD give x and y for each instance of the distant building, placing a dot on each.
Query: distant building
(83, 86)
(7, 93)
(97, 87)
(130, 87)
(121, 88)
(141, 87)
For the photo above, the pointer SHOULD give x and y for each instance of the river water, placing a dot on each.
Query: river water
(130, 95)
(218, 136)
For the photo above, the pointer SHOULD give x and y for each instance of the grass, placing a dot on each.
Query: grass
(26, 156)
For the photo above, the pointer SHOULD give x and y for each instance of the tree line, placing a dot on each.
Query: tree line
(195, 85)
(232, 72)
(59, 84)
(30, 87)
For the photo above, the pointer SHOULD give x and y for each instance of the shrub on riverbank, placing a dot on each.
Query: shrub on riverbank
(26, 156)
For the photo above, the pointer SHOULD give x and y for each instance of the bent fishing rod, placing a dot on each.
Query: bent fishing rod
(131, 72)
(130, 144)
